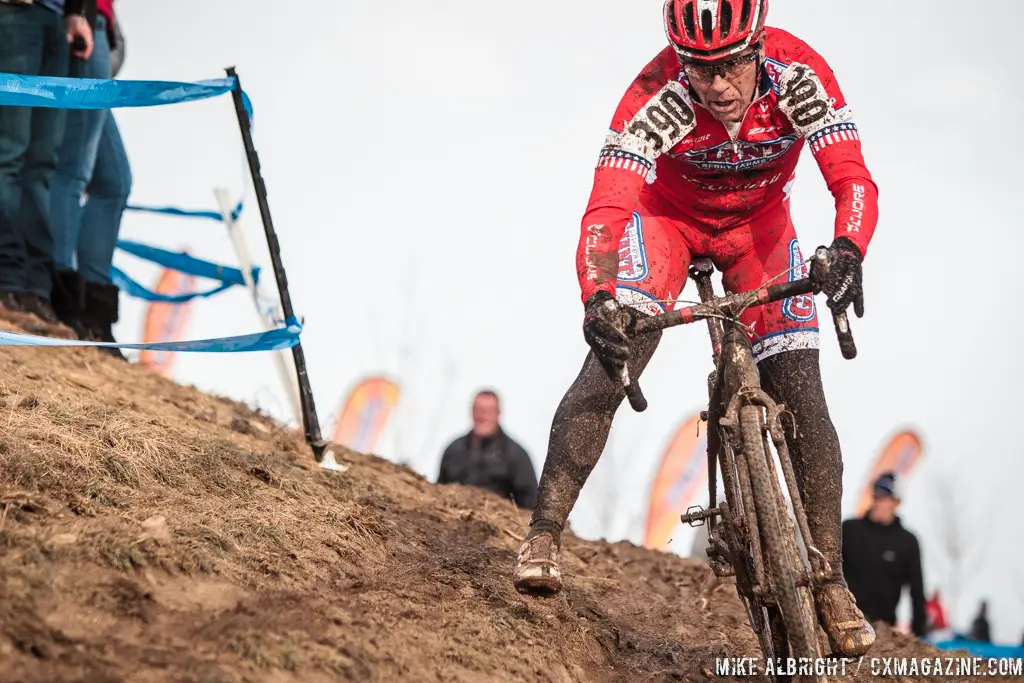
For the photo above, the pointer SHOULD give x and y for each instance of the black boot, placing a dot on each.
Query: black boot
(68, 300)
(100, 315)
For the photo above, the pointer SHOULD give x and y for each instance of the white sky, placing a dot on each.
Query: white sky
(428, 164)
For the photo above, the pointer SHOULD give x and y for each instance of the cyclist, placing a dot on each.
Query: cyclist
(699, 161)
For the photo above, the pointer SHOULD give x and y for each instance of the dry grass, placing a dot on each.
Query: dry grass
(152, 533)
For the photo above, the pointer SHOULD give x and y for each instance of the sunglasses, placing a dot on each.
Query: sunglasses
(733, 68)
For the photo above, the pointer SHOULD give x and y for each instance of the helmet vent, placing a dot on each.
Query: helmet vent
(688, 24)
(726, 19)
(744, 14)
(672, 25)
(707, 23)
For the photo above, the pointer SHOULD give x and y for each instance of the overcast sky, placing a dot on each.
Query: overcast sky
(428, 165)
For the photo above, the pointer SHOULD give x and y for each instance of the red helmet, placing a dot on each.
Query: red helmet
(706, 30)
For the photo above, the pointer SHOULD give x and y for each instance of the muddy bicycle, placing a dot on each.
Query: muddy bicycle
(751, 534)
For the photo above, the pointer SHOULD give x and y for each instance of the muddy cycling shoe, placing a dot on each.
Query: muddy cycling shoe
(537, 565)
(849, 633)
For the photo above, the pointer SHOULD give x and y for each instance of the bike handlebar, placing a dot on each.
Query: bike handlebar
(725, 305)
(732, 304)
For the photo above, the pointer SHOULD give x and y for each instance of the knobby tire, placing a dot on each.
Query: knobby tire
(800, 633)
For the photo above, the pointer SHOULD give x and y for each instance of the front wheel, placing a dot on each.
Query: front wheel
(797, 616)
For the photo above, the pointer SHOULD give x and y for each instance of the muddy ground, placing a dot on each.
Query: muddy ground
(150, 533)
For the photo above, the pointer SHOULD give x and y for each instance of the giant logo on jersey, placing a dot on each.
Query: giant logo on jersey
(632, 255)
(738, 154)
(798, 308)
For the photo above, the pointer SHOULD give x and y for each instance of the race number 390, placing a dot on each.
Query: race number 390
(805, 98)
(664, 121)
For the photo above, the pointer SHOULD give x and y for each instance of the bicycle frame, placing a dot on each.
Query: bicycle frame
(738, 354)
(734, 363)
(735, 383)
(780, 610)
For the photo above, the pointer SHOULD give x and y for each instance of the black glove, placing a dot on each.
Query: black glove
(608, 328)
(842, 279)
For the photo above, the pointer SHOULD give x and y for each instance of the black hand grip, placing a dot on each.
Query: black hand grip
(845, 336)
(78, 44)
(636, 397)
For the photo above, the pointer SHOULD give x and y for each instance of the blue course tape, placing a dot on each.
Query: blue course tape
(190, 265)
(86, 93)
(135, 289)
(186, 213)
(228, 276)
(93, 93)
(274, 340)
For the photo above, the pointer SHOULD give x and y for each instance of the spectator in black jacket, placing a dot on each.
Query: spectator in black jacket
(880, 557)
(489, 458)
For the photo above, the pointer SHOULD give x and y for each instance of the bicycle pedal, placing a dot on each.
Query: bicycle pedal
(696, 515)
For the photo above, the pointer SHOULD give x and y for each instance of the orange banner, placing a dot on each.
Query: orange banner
(366, 410)
(165, 322)
(899, 456)
(683, 471)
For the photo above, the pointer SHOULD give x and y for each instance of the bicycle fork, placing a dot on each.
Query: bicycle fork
(820, 568)
(745, 390)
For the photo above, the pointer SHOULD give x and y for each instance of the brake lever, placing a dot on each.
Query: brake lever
(840, 320)
(633, 391)
(845, 336)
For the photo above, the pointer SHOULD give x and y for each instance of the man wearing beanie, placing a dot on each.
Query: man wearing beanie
(880, 557)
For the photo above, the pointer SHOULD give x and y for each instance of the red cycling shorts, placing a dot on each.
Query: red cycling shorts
(659, 243)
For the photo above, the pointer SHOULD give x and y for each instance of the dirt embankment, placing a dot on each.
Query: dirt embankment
(152, 533)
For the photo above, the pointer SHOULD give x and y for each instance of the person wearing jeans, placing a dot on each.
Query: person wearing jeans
(34, 38)
(92, 164)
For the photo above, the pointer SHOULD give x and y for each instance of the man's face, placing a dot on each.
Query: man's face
(883, 509)
(726, 87)
(485, 415)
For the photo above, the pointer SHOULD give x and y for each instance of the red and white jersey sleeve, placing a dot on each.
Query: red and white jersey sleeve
(811, 99)
(663, 142)
(654, 115)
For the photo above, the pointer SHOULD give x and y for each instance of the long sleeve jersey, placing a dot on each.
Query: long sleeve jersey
(664, 141)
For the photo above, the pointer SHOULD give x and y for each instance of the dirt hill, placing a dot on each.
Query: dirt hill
(149, 532)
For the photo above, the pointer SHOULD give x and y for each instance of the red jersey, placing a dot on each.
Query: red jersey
(662, 140)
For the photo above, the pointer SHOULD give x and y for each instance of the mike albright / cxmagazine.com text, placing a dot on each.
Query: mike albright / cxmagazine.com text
(953, 667)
